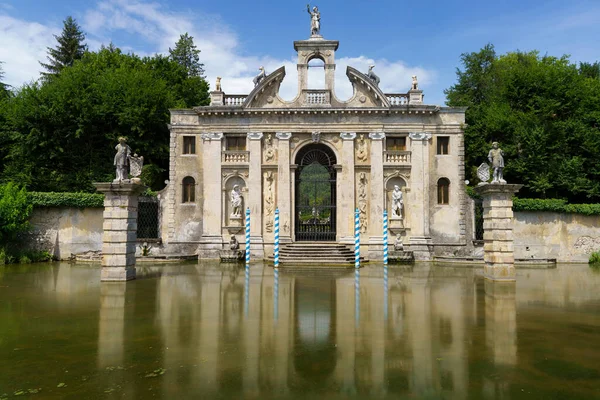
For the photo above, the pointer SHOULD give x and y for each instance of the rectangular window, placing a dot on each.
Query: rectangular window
(236, 143)
(189, 145)
(443, 144)
(395, 143)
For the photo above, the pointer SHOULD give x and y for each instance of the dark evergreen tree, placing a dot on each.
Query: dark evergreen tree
(3, 86)
(186, 54)
(71, 47)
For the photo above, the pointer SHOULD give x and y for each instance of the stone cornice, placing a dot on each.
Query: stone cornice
(239, 111)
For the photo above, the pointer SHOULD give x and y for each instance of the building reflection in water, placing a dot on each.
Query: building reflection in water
(255, 330)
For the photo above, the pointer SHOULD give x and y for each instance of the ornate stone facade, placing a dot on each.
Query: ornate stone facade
(317, 158)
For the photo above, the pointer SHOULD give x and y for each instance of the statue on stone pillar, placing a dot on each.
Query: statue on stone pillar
(121, 161)
(236, 201)
(397, 202)
(315, 20)
(495, 156)
(415, 83)
(218, 84)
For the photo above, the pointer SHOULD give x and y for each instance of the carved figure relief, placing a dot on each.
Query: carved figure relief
(361, 149)
(362, 202)
(269, 150)
(316, 137)
(269, 201)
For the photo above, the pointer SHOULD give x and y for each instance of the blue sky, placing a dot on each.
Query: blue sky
(236, 37)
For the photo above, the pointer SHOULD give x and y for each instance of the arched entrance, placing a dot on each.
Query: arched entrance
(315, 194)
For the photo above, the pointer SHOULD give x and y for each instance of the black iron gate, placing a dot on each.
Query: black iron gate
(148, 217)
(315, 194)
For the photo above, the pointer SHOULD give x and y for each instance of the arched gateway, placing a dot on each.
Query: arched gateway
(315, 202)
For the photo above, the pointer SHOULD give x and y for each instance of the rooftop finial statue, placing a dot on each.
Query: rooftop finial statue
(315, 20)
(495, 156)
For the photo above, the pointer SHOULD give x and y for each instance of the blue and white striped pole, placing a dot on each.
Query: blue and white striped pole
(385, 293)
(357, 296)
(276, 244)
(246, 289)
(357, 239)
(276, 295)
(385, 237)
(247, 236)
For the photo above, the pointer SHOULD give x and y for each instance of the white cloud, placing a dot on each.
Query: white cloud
(24, 44)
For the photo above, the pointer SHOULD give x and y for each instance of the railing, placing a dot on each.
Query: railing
(397, 99)
(397, 157)
(235, 157)
(234, 99)
(317, 97)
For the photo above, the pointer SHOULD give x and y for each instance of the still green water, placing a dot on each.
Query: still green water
(202, 331)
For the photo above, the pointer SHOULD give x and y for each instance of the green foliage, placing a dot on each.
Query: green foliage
(15, 209)
(70, 47)
(471, 192)
(595, 258)
(544, 111)
(78, 200)
(60, 134)
(555, 205)
(24, 257)
(186, 54)
(4, 92)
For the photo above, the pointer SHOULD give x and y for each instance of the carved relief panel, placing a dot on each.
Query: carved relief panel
(269, 179)
(362, 199)
(362, 150)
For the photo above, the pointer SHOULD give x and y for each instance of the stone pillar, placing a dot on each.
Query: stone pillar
(212, 239)
(498, 249)
(254, 188)
(345, 190)
(111, 325)
(120, 229)
(419, 202)
(284, 200)
(501, 322)
(375, 227)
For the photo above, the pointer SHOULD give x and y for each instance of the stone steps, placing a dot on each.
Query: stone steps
(323, 253)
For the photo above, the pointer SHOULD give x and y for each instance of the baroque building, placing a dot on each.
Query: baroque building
(317, 159)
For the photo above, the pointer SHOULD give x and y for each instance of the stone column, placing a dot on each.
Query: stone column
(345, 190)
(254, 188)
(120, 229)
(212, 239)
(498, 249)
(284, 200)
(375, 227)
(501, 322)
(419, 202)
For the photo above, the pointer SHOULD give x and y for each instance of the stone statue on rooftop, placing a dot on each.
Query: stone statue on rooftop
(261, 75)
(372, 75)
(415, 83)
(121, 161)
(236, 201)
(218, 84)
(495, 156)
(397, 202)
(315, 20)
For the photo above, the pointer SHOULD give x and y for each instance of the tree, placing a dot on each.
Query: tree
(3, 86)
(544, 111)
(15, 209)
(186, 54)
(70, 47)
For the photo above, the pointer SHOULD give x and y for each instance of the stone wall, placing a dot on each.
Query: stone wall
(66, 231)
(566, 237)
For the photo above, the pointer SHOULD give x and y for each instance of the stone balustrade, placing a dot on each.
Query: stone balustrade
(317, 97)
(235, 157)
(397, 99)
(397, 157)
(234, 99)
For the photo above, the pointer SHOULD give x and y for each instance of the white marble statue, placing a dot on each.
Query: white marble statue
(236, 201)
(218, 84)
(315, 20)
(495, 156)
(415, 83)
(269, 150)
(397, 202)
(261, 75)
(121, 161)
(361, 151)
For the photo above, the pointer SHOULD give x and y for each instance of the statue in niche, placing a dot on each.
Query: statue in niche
(315, 20)
(397, 202)
(361, 151)
(373, 76)
(233, 243)
(496, 157)
(269, 151)
(236, 201)
(121, 161)
(362, 202)
(415, 83)
(218, 84)
(261, 75)
(269, 200)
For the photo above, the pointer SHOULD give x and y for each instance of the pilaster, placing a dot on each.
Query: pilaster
(345, 190)
(377, 197)
(255, 194)
(120, 229)
(212, 208)
(284, 200)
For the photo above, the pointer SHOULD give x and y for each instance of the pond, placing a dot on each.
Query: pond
(206, 331)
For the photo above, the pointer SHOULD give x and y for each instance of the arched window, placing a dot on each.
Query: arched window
(189, 190)
(443, 186)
